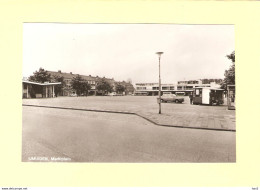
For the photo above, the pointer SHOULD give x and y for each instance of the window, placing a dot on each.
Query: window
(141, 88)
(155, 88)
(165, 88)
(67, 81)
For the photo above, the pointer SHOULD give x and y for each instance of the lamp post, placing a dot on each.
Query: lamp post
(159, 55)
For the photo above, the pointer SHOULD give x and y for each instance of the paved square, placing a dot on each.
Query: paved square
(179, 115)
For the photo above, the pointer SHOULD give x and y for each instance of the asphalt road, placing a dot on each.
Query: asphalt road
(79, 136)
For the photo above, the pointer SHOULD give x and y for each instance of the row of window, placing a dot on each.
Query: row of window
(171, 87)
(166, 88)
(68, 81)
(140, 88)
(189, 82)
(146, 84)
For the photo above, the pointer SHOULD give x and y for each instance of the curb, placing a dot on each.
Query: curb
(130, 113)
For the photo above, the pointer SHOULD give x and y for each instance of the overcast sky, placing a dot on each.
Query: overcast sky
(123, 51)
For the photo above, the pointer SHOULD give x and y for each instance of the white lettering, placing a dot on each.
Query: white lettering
(60, 159)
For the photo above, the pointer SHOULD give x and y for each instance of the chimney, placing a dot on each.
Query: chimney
(59, 71)
(90, 75)
(71, 73)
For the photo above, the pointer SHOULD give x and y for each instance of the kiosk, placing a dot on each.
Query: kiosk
(207, 95)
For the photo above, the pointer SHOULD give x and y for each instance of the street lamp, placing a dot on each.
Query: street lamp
(159, 55)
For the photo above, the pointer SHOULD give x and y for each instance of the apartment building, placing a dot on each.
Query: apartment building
(67, 89)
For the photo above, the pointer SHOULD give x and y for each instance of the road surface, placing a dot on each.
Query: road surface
(79, 136)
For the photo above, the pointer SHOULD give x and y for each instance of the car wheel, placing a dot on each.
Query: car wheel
(177, 101)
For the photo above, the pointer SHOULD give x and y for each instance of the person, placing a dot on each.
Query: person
(191, 98)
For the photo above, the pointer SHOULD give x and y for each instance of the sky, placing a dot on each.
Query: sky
(128, 51)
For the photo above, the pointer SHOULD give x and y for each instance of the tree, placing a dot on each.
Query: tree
(129, 80)
(232, 57)
(120, 88)
(230, 73)
(205, 81)
(104, 86)
(80, 85)
(40, 76)
(59, 87)
(85, 87)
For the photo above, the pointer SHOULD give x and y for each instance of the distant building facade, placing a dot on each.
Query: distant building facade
(67, 89)
(181, 87)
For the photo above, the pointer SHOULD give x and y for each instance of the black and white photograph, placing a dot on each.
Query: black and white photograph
(128, 93)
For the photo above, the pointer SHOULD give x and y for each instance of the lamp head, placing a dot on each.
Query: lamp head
(159, 54)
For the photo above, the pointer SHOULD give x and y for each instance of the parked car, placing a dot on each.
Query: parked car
(112, 94)
(171, 98)
(73, 94)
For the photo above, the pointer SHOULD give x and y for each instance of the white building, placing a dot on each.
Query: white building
(181, 87)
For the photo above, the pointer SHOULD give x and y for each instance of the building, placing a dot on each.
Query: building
(231, 97)
(152, 89)
(181, 87)
(67, 89)
(38, 90)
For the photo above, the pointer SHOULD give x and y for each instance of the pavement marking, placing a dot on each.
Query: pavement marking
(139, 115)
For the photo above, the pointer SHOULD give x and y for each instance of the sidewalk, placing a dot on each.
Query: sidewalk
(173, 115)
(211, 120)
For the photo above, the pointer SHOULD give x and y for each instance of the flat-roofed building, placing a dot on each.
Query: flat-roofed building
(152, 89)
(181, 87)
(38, 90)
